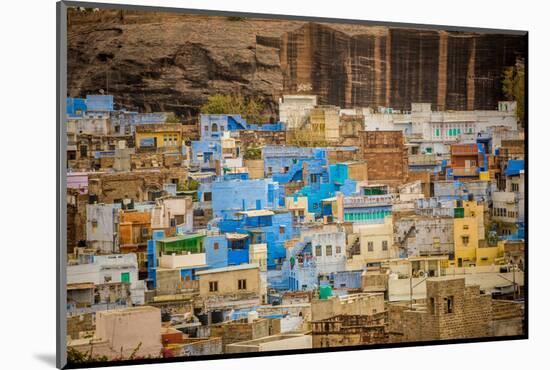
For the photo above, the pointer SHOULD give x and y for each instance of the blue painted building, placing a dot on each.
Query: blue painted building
(263, 226)
(214, 125)
(227, 250)
(205, 153)
(325, 185)
(152, 258)
(232, 196)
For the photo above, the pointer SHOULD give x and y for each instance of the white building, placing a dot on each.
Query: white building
(114, 268)
(294, 109)
(102, 226)
(433, 130)
(173, 211)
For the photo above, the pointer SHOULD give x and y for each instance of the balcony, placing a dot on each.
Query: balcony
(368, 201)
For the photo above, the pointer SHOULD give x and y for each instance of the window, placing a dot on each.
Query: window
(94, 225)
(465, 239)
(329, 250)
(107, 278)
(213, 286)
(242, 284)
(207, 196)
(384, 245)
(338, 249)
(370, 246)
(124, 277)
(515, 187)
(318, 251)
(449, 303)
(281, 230)
(465, 227)
(437, 132)
(205, 128)
(216, 246)
(432, 304)
(214, 127)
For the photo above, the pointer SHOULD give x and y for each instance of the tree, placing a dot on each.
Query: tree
(251, 108)
(513, 87)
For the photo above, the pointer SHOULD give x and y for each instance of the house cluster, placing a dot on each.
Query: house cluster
(332, 227)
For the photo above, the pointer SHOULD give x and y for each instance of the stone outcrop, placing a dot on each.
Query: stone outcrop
(172, 62)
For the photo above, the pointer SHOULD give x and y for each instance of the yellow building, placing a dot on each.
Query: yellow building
(164, 135)
(469, 238)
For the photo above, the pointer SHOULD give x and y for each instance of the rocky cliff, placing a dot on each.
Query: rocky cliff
(172, 62)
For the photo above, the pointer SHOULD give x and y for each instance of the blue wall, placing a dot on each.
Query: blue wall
(233, 196)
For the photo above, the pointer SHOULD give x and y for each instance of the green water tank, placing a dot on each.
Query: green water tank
(325, 291)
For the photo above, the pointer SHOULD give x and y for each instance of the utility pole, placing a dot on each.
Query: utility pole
(514, 279)
(411, 284)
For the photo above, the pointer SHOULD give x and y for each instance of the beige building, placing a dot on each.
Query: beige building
(353, 304)
(240, 279)
(121, 333)
(376, 244)
(279, 342)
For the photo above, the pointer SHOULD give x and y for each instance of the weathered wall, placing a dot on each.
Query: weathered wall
(345, 64)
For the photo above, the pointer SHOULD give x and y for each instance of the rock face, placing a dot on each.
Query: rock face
(172, 62)
(394, 66)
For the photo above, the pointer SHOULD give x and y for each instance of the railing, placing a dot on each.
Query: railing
(373, 200)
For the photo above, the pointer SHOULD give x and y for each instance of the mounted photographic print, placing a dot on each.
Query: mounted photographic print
(236, 184)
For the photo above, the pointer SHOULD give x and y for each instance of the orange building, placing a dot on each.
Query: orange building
(134, 230)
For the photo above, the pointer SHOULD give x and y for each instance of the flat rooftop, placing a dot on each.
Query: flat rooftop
(245, 266)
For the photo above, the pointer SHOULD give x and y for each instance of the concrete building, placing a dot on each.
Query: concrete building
(232, 280)
(173, 212)
(424, 235)
(102, 223)
(114, 268)
(279, 342)
(294, 109)
(164, 137)
(353, 304)
(509, 205)
(376, 245)
(120, 334)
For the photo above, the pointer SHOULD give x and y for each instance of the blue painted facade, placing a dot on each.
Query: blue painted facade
(214, 125)
(222, 251)
(273, 230)
(152, 258)
(232, 196)
(205, 152)
(76, 107)
(326, 185)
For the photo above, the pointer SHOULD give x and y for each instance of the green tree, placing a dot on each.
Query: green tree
(513, 87)
(251, 108)
(172, 118)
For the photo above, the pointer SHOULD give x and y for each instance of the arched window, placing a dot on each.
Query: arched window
(214, 127)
